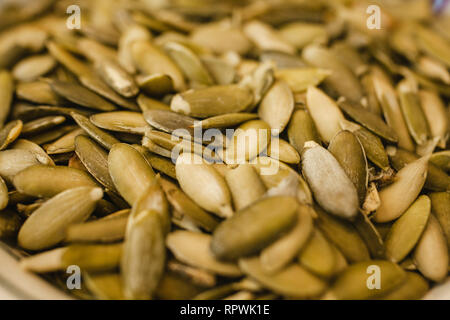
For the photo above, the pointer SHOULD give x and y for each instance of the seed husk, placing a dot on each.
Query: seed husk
(194, 249)
(352, 283)
(64, 144)
(254, 227)
(440, 206)
(281, 252)
(324, 112)
(189, 63)
(212, 101)
(13, 162)
(47, 181)
(302, 129)
(299, 79)
(95, 160)
(192, 171)
(9, 133)
(225, 121)
(331, 186)
(149, 59)
(245, 185)
(343, 235)
(348, 151)
(277, 106)
(10, 223)
(186, 207)
(81, 96)
(129, 171)
(414, 288)
(105, 139)
(47, 225)
(121, 121)
(406, 231)
(293, 281)
(6, 95)
(369, 120)
(431, 253)
(143, 257)
(398, 196)
(157, 84)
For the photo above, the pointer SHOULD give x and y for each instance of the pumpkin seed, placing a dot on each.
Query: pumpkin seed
(103, 138)
(38, 92)
(414, 288)
(117, 78)
(10, 223)
(102, 230)
(6, 95)
(225, 121)
(431, 253)
(440, 207)
(105, 286)
(122, 121)
(64, 144)
(434, 111)
(254, 227)
(129, 171)
(9, 133)
(41, 124)
(47, 181)
(318, 255)
(299, 79)
(205, 102)
(13, 162)
(302, 129)
(157, 84)
(42, 230)
(406, 231)
(441, 159)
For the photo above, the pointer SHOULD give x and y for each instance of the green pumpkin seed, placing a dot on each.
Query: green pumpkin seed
(117, 78)
(369, 120)
(302, 129)
(398, 196)
(149, 59)
(157, 162)
(41, 124)
(188, 62)
(265, 38)
(4, 198)
(95, 160)
(221, 71)
(300, 34)
(103, 138)
(441, 159)
(185, 206)
(433, 44)
(352, 283)
(369, 233)
(64, 144)
(194, 249)
(47, 181)
(191, 171)
(48, 224)
(32, 68)
(372, 145)
(431, 253)
(280, 253)
(34, 148)
(282, 151)
(331, 186)
(143, 256)
(318, 255)
(414, 288)
(348, 151)
(225, 121)
(102, 230)
(254, 227)
(212, 101)
(169, 121)
(440, 207)
(406, 231)
(350, 57)
(343, 235)
(6, 95)
(293, 281)
(105, 286)
(90, 257)
(122, 121)
(38, 92)
(435, 113)
(413, 113)
(81, 96)
(129, 171)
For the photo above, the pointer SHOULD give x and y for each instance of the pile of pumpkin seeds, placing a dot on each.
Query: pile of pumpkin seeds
(88, 118)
